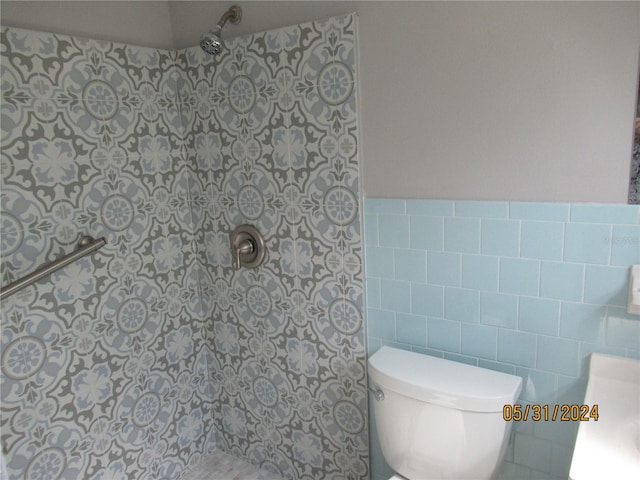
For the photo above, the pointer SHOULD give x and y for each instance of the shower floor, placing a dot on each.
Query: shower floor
(222, 466)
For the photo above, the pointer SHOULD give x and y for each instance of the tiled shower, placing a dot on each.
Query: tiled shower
(139, 360)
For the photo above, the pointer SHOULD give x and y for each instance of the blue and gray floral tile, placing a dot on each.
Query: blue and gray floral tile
(155, 350)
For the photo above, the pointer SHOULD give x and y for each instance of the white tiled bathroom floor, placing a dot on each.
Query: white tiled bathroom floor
(222, 466)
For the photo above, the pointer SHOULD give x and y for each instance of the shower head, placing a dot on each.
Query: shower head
(211, 42)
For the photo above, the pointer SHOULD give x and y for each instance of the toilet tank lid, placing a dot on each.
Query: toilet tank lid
(443, 382)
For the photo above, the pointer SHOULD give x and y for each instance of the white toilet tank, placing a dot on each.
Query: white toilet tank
(440, 419)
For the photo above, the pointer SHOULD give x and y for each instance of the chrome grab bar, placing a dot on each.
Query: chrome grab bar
(86, 245)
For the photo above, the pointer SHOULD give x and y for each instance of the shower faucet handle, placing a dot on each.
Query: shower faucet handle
(247, 247)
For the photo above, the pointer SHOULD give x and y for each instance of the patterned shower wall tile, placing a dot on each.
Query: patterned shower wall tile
(327, 59)
(23, 55)
(117, 207)
(166, 254)
(237, 119)
(331, 106)
(305, 53)
(44, 152)
(267, 144)
(267, 49)
(187, 63)
(206, 143)
(213, 242)
(260, 299)
(132, 314)
(78, 68)
(252, 189)
(88, 154)
(155, 140)
(229, 338)
(306, 142)
(198, 70)
(16, 75)
(152, 71)
(27, 250)
(49, 456)
(33, 350)
(253, 57)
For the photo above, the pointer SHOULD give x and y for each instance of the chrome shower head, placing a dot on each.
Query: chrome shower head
(211, 42)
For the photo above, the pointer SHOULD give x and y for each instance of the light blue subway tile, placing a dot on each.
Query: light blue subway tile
(410, 265)
(466, 208)
(561, 460)
(542, 240)
(537, 387)
(538, 315)
(443, 334)
(427, 351)
(587, 243)
(454, 357)
(518, 348)
(443, 269)
(583, 322)
(558, 432)
(462, 235)
(525, 428)
(498, 309)
(553, 212)
(586, 349)
(558, 355)
(480, 272)
(479, 341)
(384, 205)
(619, 214)
(606, 285)
(497, 366)
(371, 229)
(393, 231)
(625, 246)
(379, 262)
(435, 208)
(426, 233)
(532, 452)
(462, 305)
(411, 329)
(623, 329)
(500, 237)
(571, 390)
(427, 300)
(373, 345)
(519, 276)
(381, 324)
(562, 281)
(395, 295)
(394, 344)
(511, 471)
(373, 292)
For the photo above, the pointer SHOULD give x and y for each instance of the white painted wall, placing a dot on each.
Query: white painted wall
(145, 23)
(516, 101)
(480, 100)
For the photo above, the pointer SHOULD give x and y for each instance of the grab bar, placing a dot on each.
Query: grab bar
(86, 245)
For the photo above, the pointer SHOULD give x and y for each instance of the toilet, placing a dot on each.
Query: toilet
(439, 419)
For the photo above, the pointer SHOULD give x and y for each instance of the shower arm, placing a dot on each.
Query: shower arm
(233, 15)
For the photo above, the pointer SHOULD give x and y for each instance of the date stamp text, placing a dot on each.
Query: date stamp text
(543, 413)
